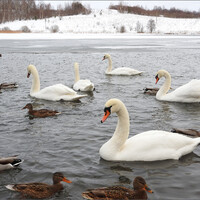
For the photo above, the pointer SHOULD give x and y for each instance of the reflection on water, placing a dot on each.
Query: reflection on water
(70, 142)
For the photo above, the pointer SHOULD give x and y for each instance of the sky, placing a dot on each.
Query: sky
(184, 5)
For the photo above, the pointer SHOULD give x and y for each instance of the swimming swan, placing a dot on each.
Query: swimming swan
(53, 93)
(81, 85)
(119, 71)
(188, 93)
(147, 146)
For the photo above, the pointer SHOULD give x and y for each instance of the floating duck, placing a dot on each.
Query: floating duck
(188, 93)
(40, 190)
(55, 92)
(151, 91)
(9, 162)
(118, 192)
(190, 132)
(8, 85)
(40, 113)
(151, 145)
(81, 85)
(126, 71)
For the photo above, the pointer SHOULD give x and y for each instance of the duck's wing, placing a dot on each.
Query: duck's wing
(114, 192)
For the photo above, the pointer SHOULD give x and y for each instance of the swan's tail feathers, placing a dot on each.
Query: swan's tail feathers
(16, 162)
(89, 88)
(10, 187)
(79, 97)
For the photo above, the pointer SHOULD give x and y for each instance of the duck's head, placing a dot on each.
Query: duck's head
(111, 106)
(140, 184)
(106, 56)
(160, 74)
(30, 68)
(58, 177)
(28, 106)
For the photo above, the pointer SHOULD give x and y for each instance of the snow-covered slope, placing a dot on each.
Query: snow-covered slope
(108, 21)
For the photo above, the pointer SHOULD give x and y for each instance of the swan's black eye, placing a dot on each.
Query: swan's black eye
(156, 76)
(107, 108)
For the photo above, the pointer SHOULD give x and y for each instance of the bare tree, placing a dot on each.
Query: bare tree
(151, 26)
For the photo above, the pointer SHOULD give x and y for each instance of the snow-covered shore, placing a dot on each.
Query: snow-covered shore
(100, 23)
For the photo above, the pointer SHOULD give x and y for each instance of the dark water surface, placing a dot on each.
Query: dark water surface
(70, 142)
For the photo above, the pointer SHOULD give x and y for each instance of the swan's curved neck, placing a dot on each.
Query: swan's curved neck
(165, 87)
(122, 130)
(35, 81)
(109, 69)
(77, 76)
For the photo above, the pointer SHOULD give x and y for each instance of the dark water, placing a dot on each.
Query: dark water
(70, 142)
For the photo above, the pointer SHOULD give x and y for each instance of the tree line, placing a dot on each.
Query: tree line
(11, 10)
(156, 11)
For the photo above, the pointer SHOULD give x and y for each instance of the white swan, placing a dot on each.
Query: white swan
(147, 146)
(53, 93)
(188, 93)
(119, 71)
(81, 85)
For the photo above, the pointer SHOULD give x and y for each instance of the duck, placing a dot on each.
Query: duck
(188, 93)
(9, 162)
(118, 192)
(151, 91)
(40, 190)
(40, 113)
(8, 85)
(55, 92)
(151, 145)
(81, 85)
(190, 132)
(119, 71)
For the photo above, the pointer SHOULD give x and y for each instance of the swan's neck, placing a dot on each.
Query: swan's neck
(109, 69)
(77, 76)
(122, 130)
(35, 81)
(165, 87)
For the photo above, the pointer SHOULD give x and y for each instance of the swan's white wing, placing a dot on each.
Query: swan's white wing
(157, 145)
(189, 92)
(124, 71)
(57, 92)
(83, 85)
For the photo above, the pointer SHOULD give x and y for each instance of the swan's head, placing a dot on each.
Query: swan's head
(30, 69)
(111, 106)
(140, 184)
(106, 56)
(160, 74)
(76, 66)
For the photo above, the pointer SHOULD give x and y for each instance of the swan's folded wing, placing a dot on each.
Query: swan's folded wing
(58, 89)
(125, 71)
(189, 90)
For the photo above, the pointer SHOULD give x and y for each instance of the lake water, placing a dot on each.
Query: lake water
(70, 142)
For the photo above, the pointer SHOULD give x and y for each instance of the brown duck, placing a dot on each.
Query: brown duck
(190, 132)
(151, 91)
(40, 190)
(40, 113)
(119, 192)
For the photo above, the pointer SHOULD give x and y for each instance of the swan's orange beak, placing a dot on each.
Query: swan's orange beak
(106, 114)
(157, 79)
(28, 75)
(148, 189)
(66, 180)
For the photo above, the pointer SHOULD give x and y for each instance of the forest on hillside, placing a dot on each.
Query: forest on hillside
(156, 11)
(11, 10)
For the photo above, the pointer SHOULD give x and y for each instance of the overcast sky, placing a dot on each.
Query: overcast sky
(184, 5)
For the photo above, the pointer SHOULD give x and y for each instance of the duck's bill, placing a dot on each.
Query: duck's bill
(66, 180)
(107, 113)
(148, 189)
